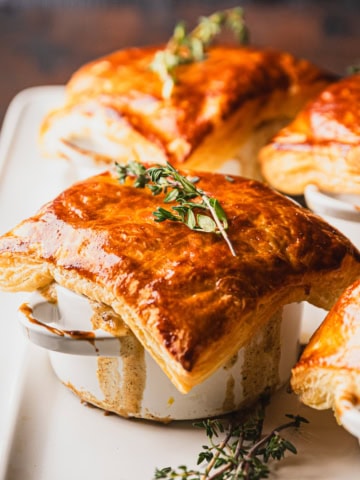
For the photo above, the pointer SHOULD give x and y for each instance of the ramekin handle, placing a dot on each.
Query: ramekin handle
(41, 323)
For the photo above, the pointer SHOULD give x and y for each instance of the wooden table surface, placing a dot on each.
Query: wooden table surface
(43, 45)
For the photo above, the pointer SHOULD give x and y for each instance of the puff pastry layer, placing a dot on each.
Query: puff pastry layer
(328, 372)
(222, 109)
(189, 301)
(321, 146)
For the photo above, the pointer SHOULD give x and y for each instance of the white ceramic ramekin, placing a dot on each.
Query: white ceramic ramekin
(116, 374)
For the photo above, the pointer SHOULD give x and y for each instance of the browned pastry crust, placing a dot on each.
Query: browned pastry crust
(190, 302)
(321, 146)
(222, 108)
(328, 371)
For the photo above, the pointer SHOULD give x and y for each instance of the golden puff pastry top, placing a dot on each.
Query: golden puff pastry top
(206, 94)
(321, 146)
(336, 343)
(184, 295)
(328, 372)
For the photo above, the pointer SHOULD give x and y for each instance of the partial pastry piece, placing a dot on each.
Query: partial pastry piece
(328, 372)
(185, 296)
(321, 146)
(220, 112)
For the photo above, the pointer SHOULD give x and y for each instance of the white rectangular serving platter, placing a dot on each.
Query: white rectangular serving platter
(45, 431)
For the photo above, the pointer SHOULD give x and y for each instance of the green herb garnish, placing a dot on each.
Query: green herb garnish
(185, 47)
(204, 215)
(236, 450)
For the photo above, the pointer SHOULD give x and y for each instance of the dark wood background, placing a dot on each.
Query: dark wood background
(43, 42)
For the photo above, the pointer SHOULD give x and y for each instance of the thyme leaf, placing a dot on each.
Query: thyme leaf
(204, 215)
(236, 449)
(183, 47)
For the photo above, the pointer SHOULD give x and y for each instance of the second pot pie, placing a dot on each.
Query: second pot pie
(221, 111)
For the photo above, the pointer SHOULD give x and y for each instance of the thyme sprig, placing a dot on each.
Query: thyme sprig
(236, 450)
(353, 69)
(204, 215)
(183, 47)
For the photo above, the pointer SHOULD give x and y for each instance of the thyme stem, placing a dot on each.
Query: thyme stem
(219, 225)
(211, 464)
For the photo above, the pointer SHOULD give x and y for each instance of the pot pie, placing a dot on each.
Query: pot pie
(220, 112)
(321, 146)
(328, 372)
(187, 299)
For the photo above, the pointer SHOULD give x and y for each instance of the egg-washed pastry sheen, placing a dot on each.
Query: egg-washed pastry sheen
(321, 146)
(328, 372)
(221, 109)
(189, 301)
